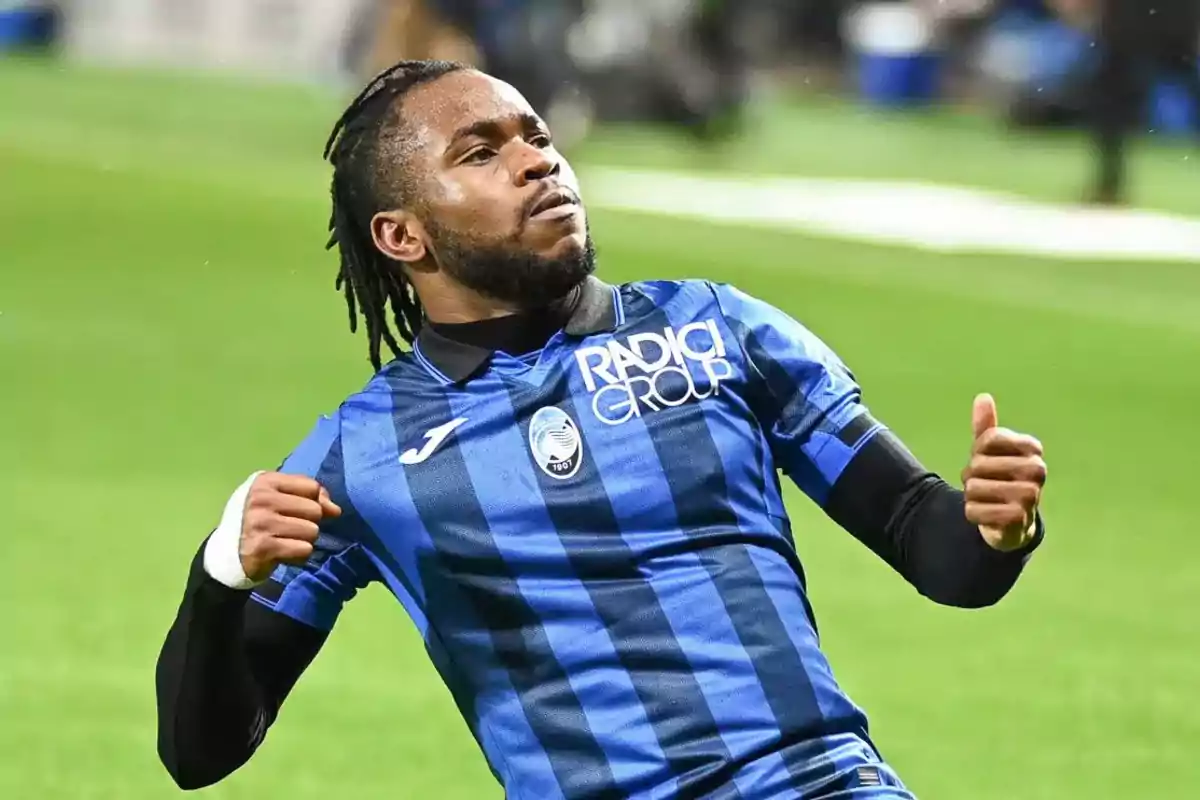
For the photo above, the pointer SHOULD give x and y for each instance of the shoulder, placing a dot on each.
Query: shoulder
(310, 456)
(769, 332)
(696, 290)
(736, 303)
(697, 297)
(664, 291)
(678, 300)
(403, 377)
(323, 442)
(747, 312)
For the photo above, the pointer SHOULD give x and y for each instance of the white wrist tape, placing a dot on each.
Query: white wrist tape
(222, 554)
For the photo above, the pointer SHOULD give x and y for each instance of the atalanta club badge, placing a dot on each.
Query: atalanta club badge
(555, 442)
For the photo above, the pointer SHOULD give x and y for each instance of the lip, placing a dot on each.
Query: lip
(560, 211)
(555, 203)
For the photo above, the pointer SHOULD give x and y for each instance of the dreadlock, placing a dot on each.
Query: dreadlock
(366, 135)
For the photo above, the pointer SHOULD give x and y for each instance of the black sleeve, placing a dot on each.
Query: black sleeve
(917, 523)
(224, 670)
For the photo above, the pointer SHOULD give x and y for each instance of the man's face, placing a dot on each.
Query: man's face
(500, 207)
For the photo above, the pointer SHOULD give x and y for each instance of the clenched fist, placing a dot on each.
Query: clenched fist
(1003, 481)
(280, 522)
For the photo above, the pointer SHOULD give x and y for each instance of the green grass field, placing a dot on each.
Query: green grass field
(168, 324)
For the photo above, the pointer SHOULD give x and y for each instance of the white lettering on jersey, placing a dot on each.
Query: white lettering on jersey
(652, 371)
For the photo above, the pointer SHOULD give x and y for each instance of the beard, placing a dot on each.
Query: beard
(506, 273)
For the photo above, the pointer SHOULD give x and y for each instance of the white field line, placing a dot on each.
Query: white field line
(932, 217)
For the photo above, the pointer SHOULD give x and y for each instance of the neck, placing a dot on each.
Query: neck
(453, 305)
(447, 303)
(517, 333)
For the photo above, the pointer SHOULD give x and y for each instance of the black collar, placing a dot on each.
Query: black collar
(595, 311)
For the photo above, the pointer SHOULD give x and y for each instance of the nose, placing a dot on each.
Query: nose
(535, 164)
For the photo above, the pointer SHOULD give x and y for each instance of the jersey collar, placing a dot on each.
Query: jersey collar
(598, 310)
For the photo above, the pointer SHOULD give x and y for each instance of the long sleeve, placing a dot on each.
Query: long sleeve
(825, 440)
(232, 656)
(917, 523)
(224, 670)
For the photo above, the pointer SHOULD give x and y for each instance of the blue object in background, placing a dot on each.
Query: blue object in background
(1172, 109)
(1057, 52)
(899, 80)
(898, 63)
(1036, 52)
(26, 25)
(15, 27)
(1043, 54)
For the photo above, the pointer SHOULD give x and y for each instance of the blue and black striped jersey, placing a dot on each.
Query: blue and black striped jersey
(592, 541)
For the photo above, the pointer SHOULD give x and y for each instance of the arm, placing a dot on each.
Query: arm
(862, 475)
(261, 597)
(917, 523)
(224, 670)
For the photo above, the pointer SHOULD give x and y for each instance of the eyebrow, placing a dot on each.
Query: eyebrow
(493, 128)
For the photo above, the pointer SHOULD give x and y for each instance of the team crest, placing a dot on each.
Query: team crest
(555, 442)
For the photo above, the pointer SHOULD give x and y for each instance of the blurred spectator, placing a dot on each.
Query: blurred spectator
(524, 42)
(814, 27)
(397, 30)
(1043, 64)
(683, 62)
(1139, 43)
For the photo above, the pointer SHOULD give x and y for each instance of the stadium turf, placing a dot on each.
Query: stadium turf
(168, 323)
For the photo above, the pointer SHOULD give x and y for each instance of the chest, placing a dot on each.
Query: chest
(641, 437)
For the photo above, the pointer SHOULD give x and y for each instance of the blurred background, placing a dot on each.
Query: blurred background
(920, 182)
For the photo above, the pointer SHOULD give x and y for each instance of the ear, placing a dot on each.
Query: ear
(400, 236)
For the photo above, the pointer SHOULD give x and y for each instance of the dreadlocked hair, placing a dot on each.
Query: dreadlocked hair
(365, 141)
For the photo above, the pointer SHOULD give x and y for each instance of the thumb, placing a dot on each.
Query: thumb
(329, 507)
(983, 415)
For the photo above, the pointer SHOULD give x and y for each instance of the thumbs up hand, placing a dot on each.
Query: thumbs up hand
(1003, 480)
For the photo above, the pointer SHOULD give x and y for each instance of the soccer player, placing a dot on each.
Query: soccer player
(572, 489)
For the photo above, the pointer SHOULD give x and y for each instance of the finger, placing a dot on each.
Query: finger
(1005, 442)
(330, 508)
(262, 551)
(983, 490)
(994, 515)
(289, 505)
(983, 415)
(300, 529)
(292, 551)
(299, 485)
(1013, 468)
(262, 527)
